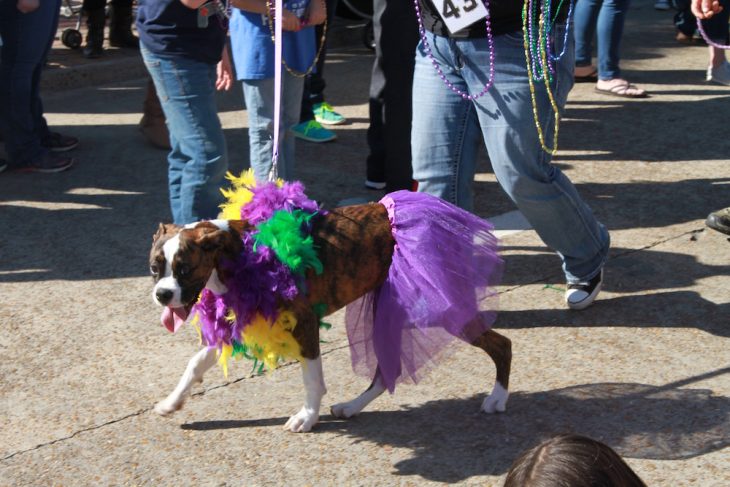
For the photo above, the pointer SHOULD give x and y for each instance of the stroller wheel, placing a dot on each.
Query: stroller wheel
(71, 38)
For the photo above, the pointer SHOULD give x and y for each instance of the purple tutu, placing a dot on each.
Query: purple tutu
(438, 289)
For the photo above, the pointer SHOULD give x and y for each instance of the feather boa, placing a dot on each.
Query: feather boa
(247, 320)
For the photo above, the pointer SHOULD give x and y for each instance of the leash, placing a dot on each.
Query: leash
(278, 9)
(707, 39)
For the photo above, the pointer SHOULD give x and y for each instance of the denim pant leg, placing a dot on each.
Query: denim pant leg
(198, 162)
(606, 18)
(610, 31)
(585, 18)
(445, 132)
(27, 39)
(259, 98)
(546, 197)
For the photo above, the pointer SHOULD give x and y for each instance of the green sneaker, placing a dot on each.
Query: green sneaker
(325, 114)
(312, 131)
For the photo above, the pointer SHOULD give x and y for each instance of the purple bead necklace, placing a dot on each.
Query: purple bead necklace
(429, 53)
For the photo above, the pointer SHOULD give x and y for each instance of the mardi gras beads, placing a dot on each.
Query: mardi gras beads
(429, 53)
(540, 61)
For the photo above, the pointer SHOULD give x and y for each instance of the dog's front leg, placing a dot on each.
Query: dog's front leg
(197, 366)
(315, 389)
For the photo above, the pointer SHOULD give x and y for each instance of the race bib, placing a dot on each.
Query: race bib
(458, 14)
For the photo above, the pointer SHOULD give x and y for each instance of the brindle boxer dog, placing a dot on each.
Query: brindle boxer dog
(355, 246)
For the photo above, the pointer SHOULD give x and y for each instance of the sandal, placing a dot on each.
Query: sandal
(624, 90)
(590, 76)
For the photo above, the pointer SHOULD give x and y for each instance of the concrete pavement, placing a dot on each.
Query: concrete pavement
(646, 369)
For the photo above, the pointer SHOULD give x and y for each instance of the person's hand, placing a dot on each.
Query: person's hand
(27, 6)
(705, 9)
(224, 72)
(289, 21)
(317, 12)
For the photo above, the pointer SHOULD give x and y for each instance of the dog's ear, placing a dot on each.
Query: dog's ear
(213, 238)
(160, 232)
(164, 229)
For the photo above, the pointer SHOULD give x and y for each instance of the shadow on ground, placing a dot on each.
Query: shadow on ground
(629, 270)
(450, 441)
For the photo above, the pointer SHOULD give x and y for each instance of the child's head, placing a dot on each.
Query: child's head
(571, 461)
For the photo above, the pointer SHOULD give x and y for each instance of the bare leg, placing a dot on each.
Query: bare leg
(717, 56)
(499, 348)
(197, 367)
(315, 389)
(349, 409)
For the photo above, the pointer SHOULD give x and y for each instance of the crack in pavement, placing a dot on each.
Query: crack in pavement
(289, 364)
(149, 409)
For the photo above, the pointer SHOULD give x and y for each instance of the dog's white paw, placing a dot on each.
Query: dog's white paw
(303, 421)
(344, 410)
(168, 406)
(496, 402)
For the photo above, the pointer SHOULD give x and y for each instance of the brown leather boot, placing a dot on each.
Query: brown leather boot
(153, 125)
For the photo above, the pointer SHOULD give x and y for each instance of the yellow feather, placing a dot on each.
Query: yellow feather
(194, 322)
(223, 356)
(239, 194)
(266, 342)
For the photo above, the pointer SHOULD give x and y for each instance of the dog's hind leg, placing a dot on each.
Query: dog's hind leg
(349, 409)
(197, 366)
(499, 348)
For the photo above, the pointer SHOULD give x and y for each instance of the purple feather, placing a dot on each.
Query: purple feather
(268, 198)
(258, 280)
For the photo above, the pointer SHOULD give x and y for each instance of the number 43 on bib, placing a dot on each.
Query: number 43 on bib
(458, 14)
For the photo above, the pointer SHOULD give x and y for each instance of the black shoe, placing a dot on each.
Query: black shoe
(3, 165)
(48, 163)
(120, 27)
(56, 142)
(582, 294)
(95, 20)
(719, 220)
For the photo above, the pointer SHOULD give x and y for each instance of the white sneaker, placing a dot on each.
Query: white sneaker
(662, 5)
(374, 184)
(580, 295)
(720, 74)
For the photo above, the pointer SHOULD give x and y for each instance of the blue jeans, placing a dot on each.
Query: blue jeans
(447, 128)
(259, 96)
(197, 162)
(607, 18)
(27, 38)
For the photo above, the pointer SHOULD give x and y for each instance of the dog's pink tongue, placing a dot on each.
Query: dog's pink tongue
(173, 318)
